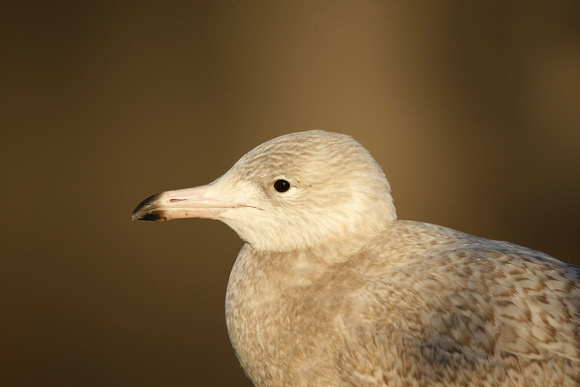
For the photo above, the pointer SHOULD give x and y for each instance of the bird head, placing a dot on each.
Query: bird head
(297, 191)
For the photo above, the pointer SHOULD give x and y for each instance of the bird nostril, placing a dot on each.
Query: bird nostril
(176, 200)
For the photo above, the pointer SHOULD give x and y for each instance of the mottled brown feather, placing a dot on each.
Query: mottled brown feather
(331, 289)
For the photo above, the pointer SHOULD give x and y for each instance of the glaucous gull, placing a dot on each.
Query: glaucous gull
(331, 289)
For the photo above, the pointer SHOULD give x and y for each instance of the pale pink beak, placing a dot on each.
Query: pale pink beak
(182, 203)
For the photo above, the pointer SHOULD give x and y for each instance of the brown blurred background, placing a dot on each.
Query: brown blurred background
(472, 109)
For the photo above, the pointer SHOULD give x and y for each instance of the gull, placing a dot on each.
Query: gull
(331, 289)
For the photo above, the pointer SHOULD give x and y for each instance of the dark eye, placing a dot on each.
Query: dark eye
(281, 185)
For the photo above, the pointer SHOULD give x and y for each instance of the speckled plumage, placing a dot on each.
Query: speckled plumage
(331, 289)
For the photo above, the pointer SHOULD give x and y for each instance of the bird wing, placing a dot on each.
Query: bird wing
(465, 316)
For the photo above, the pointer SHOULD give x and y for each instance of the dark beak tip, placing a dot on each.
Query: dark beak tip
(154, 216)
(143, 212)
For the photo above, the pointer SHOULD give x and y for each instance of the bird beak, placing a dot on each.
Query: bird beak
(179, 204)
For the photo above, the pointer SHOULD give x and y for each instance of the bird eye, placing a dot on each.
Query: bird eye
(281, 185)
